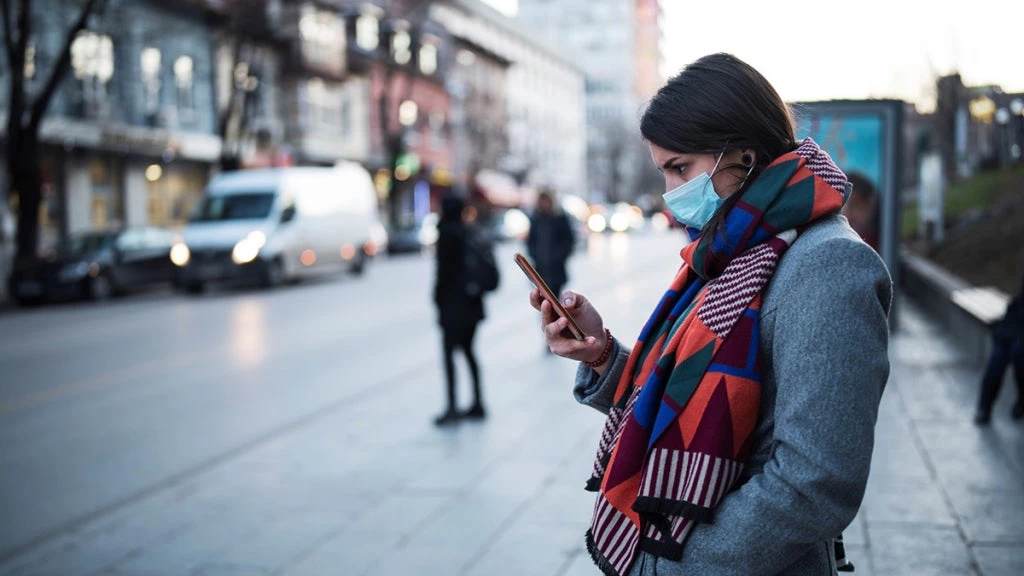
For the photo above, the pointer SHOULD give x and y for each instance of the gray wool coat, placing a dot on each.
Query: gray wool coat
(824, 339)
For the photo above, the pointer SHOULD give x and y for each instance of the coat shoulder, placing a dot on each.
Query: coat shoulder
(832, 248)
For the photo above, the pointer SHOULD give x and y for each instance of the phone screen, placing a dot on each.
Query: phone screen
(551, 297)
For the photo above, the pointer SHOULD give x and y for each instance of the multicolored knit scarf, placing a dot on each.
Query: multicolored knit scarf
(678, 434)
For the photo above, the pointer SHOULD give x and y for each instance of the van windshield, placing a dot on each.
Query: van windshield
(249, 206)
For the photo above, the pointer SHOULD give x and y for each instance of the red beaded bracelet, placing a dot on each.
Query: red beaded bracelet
(604, 353)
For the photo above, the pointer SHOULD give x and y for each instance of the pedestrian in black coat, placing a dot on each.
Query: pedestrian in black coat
(1007, 349)
(459, 313)
(550, 242)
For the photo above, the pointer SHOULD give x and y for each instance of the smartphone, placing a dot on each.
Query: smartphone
(551, 297)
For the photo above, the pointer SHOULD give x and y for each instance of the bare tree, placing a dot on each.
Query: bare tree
(617, 151)
(25, 112)
(246, 25)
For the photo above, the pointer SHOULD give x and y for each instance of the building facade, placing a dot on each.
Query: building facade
(618, 44)
(544, 95)
(130, 135)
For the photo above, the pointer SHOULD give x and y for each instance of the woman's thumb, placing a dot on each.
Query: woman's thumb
(571, 299)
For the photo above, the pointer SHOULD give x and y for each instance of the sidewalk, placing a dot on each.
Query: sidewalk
(371, 487)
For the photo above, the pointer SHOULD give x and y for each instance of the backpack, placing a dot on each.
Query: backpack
(480, 272)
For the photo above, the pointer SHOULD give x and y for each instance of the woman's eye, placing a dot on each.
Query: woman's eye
(681, 168)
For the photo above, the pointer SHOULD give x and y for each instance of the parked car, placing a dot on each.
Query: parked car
(96, 266)
(413, 238)
(274, 225)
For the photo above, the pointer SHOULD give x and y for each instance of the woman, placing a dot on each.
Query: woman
(740, 425)
(459, 312)
(550, 242)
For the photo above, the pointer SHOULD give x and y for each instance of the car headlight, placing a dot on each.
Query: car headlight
(619, 222)
(248, 248)
(75, 271)
(180, 254)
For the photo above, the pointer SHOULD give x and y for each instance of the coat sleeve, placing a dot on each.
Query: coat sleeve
(531, 239)
(830, 364)
(449, 263)
(568, 237)
(598, 391)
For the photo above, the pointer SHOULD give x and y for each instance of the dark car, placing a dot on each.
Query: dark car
(97, 266)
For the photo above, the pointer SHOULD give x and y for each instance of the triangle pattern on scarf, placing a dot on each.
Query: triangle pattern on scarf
(714, 434)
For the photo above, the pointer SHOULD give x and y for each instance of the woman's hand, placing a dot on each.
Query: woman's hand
(556, 329)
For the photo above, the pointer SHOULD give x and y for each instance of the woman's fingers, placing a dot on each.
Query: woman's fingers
(536, 299)
(553, 329)
(547, 313)
(578, 350)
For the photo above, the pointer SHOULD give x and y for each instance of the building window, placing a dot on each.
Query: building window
(92, 61)
(183, 72)
(367, 32)
(401, 47)
(325, 106)
(346, 118)
(465, 57)
(149, 61)
(428, 59)
(323, 39)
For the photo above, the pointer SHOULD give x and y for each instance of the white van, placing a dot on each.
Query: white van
(278, 224)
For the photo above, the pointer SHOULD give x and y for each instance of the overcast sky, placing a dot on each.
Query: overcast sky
(871, 48)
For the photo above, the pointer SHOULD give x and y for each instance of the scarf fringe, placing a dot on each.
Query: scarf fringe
(600, 561)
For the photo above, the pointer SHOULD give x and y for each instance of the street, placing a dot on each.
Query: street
(289, 432)
(103, 404)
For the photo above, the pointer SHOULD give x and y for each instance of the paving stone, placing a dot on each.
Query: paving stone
(1000, 560)
(905, 549)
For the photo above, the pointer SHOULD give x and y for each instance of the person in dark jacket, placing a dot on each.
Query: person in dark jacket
(459, 313)
(1007, 348)
(550, 242)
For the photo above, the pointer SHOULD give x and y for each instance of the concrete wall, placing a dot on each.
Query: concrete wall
(934, 289)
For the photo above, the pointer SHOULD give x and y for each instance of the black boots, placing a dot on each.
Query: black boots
(477, 412)
(983, 416)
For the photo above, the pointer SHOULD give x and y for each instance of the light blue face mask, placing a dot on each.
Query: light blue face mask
(694, 202)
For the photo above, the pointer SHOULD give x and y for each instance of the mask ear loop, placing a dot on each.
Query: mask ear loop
(749, 172)
(717, 162)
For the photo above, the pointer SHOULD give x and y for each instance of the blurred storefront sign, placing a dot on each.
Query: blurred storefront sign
(123, 139)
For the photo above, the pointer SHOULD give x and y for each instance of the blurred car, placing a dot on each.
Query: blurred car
(278, 224)
(413, 239)
(508, 224)
(97, 266)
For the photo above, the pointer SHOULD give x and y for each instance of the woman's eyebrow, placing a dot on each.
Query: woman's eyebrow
(668, 163)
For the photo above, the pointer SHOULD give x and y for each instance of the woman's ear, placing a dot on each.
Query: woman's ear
(748, 157)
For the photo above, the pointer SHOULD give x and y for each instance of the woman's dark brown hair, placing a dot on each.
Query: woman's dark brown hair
(716, 104)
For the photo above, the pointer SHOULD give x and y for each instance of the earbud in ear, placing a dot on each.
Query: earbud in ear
(747, 160)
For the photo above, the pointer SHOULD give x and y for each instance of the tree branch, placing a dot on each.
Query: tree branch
(5, 8)
(42, 101)
(229, 111)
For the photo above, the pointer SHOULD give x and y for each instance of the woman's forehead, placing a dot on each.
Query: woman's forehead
(661, 155)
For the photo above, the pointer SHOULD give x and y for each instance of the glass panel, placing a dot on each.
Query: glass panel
(234, 207)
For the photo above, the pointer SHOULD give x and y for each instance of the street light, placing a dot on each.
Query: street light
(1002, 116)
(408, 112)
(1017, 106)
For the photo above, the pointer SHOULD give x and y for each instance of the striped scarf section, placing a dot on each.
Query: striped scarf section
(677, 435)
